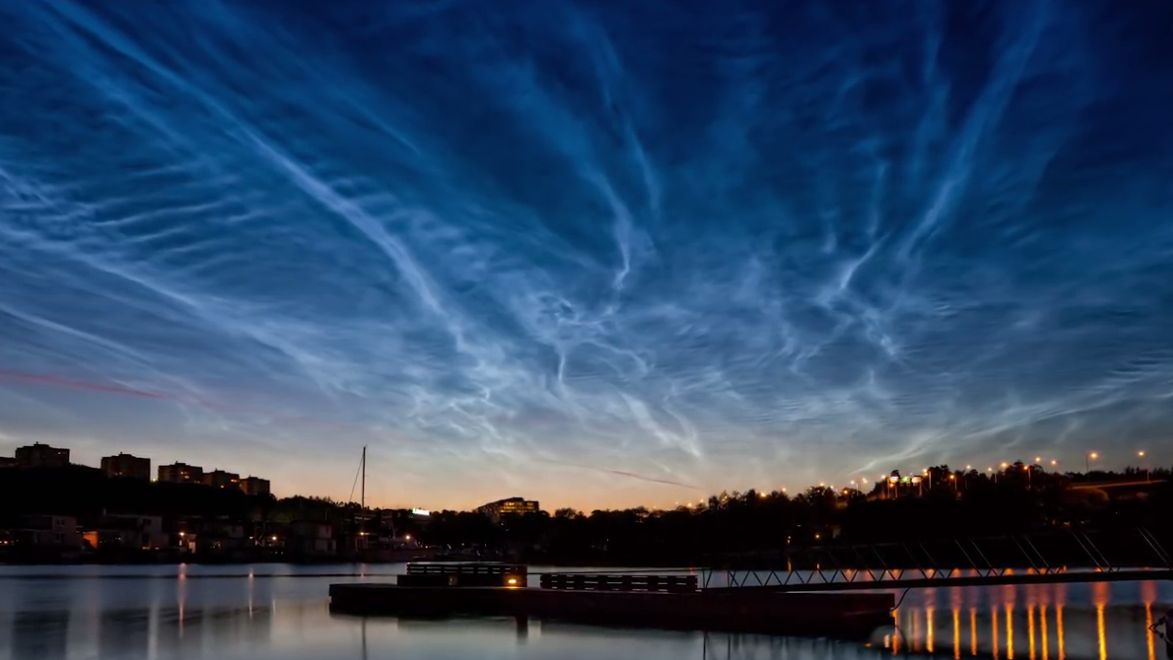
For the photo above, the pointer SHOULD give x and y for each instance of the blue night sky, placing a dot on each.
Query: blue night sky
(599, 254)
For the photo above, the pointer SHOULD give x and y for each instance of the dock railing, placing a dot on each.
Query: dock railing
(1067, 556)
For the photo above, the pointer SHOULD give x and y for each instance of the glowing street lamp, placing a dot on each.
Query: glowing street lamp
(1087, 460)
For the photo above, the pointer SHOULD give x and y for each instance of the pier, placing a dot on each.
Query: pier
(668, 601)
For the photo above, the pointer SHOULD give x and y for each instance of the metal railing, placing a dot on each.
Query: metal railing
(1069, 556)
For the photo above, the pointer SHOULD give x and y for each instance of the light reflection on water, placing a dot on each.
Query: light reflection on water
(268, 612)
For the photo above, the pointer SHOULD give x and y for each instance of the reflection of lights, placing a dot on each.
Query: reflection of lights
(929, 627)
(1101, 634)
(1030, 630)
(511, 581)
(956, 634)
(897, 636)
(1009, 631)
(1059, 631)
(973, 631)
(1148, 624)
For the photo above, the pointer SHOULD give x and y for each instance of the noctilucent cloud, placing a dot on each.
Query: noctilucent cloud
(599, 254)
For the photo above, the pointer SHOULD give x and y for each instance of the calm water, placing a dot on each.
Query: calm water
(281, 612)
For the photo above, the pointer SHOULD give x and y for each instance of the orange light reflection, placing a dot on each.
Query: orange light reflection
(956, 634)
(973, 631)
(1030, 630)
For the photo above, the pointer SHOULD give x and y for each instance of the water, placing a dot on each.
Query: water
(281, 611)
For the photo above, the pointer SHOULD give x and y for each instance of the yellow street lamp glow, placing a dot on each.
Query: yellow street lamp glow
(1005, 465)
(1038, 459)
(1093, 455)
(968, 468)
(1140, 453)
(1054, 462)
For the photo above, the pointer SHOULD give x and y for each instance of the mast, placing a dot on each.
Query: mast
(363, 492)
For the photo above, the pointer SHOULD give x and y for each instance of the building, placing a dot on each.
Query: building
(222, 479)
(38, 455)
(512, 506)
(310, 539)
(127, 532)
(254, 485)
(46, 531)
(125, 465)
(181, 473)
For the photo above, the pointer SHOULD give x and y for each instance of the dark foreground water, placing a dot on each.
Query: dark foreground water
(279, 611)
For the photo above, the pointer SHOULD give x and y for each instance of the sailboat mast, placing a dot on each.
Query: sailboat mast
(363, 493)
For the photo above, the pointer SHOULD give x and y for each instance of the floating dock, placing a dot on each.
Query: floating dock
(843, 615)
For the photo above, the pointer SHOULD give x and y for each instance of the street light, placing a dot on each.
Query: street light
(1087, 461)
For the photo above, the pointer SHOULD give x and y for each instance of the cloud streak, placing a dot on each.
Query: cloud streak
(744, 246)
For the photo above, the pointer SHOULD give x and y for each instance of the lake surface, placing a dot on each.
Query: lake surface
(281, 611)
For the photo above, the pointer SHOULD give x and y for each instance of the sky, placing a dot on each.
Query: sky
(598, 254)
